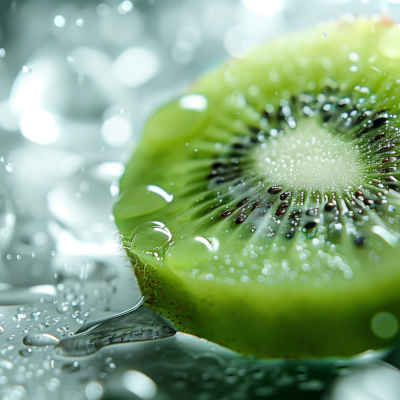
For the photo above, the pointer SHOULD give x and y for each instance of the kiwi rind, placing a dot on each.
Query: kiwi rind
(288, 318)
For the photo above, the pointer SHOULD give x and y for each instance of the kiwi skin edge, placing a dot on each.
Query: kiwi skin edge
(334, 288)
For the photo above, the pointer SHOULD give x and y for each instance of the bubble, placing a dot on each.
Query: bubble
(384, 325)
(150, 237)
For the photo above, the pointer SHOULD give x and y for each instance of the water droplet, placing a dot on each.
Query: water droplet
(138, 201)
(187, 253)
(36, 314)
(71, 367)
(26, 69)
(150, 237)
(384, 325)
(40, 339)
(141, 324)
(80, 22)
(26, 352)
(2, 52)
(9, 167)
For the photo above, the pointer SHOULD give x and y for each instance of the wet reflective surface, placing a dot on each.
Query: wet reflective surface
(77, 83)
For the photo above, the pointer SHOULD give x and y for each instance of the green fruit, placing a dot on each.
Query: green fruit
(261, 209)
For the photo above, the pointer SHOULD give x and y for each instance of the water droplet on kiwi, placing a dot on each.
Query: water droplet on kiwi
(189, 252)
(138, 201)
(384, 325)
(150, 237)
(180, 118)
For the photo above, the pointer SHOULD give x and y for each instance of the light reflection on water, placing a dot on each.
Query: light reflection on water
(70, 76)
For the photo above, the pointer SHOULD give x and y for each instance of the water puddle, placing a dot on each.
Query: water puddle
(139, 325)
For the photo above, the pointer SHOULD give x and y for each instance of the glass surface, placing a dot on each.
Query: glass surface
(78, 80)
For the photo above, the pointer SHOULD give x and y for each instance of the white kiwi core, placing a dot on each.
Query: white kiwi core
(309, 157)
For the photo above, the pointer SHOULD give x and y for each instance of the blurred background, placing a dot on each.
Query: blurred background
(78, 79)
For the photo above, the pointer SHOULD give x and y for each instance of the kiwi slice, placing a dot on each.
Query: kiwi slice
(261, 208)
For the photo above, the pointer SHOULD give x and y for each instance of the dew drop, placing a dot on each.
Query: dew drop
(150, 237)
(384, 325)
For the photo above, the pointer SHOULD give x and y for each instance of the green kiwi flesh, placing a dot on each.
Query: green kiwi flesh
(261, 208)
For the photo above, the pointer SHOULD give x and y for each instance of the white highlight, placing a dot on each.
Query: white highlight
(161, 192)
(59, 21)
(196, 102)
(39, 126)
(139, 384)
(385, 235)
